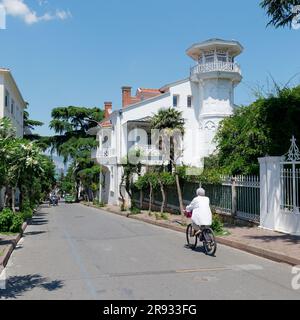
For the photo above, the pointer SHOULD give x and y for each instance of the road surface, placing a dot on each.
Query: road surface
(76, 252)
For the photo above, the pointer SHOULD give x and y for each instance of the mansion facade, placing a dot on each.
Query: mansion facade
(205, 98)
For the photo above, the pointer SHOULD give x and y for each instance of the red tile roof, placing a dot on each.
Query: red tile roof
(145, 93)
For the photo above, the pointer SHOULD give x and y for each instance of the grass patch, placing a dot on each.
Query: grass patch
(99, 204)
(223, 233)
(162, 216)
(8, 234)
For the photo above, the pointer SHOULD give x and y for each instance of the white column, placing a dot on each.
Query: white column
(270, 195)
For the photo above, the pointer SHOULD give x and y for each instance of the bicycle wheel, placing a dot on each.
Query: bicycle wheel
(191, 240)
(209, 242)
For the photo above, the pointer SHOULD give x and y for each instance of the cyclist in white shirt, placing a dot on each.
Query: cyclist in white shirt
(200, 207)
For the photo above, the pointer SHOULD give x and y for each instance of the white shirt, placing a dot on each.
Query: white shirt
(202, 215)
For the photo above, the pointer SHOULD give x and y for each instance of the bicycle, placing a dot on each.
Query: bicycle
(206, 236)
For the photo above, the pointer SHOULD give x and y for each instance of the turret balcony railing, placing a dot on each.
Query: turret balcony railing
(215, 66)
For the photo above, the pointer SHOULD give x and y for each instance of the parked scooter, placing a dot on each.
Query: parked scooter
(53, 201)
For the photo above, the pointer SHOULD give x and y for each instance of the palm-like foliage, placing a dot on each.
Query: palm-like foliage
(280, 11)
(168, 119)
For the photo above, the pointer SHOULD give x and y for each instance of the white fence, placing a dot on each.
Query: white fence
(290, 187)
(280, 186)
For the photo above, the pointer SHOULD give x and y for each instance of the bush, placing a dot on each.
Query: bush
(17, 222)
(157, 216)
(10, 222)
(135, 210)
(165, 216)
(6, 220)
(27, 214)
(217, 224)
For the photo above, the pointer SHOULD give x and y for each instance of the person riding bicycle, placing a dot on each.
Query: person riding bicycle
(200, 207)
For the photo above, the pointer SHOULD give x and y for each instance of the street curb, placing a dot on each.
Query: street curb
(7, 253)
(264, 253)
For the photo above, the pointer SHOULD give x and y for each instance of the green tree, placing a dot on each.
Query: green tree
(90, 179)
(263, 128)
(7, 134)
(171, 122)
(130, 169)
(280, 11)
(164, 179)
(72, 141)
(149, 181)
(23, 166)
(30, 125)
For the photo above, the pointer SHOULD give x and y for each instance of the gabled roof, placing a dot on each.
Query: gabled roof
(7, 72)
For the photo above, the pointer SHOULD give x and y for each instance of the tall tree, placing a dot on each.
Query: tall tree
(281, 12)
(72, 141)
(171, 122)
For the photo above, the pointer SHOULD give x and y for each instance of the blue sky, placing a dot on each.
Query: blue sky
(74, 52)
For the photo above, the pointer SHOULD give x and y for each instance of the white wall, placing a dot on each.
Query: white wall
(6, 83)
(272, 217)
(1, 96)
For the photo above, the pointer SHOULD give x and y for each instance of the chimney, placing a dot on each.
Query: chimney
(107, 109)
(126, 96)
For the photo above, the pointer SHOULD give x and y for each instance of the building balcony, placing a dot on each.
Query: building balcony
(105, 156)
(149, 155)
(201, 69)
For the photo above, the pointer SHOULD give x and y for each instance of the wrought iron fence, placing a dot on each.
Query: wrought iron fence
(290, 179)
(238, 196)
(290, 189)
(220, 196)
(248, 197)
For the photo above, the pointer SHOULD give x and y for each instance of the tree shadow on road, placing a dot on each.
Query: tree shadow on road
(278, 237)
(16, 286)
(33, 233)
(38, 221)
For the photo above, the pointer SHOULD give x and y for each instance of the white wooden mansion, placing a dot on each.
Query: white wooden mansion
(12, 106)
(205, 98)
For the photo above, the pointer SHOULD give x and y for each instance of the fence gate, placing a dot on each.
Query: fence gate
(290, 180)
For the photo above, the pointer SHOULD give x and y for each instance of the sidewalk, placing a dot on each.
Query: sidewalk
(8, 244)
(268, 244)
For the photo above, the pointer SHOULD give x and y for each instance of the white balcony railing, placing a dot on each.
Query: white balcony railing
(103, 153)
(215, 66)
(149, 154)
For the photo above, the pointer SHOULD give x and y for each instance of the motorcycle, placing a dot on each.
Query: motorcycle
(53, 201)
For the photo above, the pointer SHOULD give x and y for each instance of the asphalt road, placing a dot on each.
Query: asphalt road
(75, 252)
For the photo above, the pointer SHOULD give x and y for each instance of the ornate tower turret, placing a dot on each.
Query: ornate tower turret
(216, 74)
